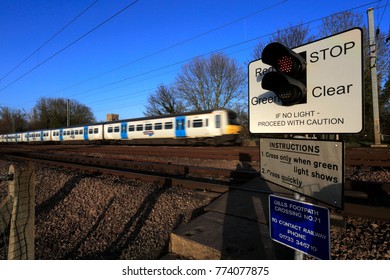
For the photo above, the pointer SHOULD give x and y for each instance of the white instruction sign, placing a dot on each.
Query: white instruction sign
(310, 167)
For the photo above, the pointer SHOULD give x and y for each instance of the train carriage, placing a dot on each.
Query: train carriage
(11, 138)
(206, 127)
(70, 134)
(77, 134)
(95, 132)
(145, 130)
(37, 136)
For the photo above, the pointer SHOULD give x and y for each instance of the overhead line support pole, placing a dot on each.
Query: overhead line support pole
(374, 77)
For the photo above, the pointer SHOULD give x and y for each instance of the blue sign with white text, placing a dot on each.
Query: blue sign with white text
(301, 226)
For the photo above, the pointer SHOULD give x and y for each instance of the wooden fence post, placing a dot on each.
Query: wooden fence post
(22, 224)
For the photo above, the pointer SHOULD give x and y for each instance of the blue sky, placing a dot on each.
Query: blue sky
(114, 67)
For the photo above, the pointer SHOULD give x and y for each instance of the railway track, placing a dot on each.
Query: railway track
(366, 198)
(202, 178)
(359, 157)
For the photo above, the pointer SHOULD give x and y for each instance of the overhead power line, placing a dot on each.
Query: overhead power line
(69, 45)
(51, 38)
(172, 46)
(384, 10)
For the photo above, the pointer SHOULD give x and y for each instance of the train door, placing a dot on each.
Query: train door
(218, 124)
(61, 134)
(180, 127)
(85, 133)
(124, 130)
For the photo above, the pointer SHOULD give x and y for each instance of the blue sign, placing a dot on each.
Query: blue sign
(301, 226)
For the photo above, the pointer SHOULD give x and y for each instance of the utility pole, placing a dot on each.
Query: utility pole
(374, 78)
(68, 112)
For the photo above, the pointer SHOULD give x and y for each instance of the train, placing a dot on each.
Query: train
(209, 127)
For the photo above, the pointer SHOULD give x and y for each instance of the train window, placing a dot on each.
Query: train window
(116, 129)
(157, 126)
(131, 127)
(140, 127)
(90, 131)
(197, 123)
(148, 126)
(96, 130)
(109, 130)
(218, 121)
(233, 118)
(72, 132)
(168, 125)
(76, 132)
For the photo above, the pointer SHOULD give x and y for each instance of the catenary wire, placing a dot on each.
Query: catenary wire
(169, 47)
(69, 45)
(47, 41)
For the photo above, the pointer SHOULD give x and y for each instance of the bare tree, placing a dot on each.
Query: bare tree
(339, 22)
(291, 37)
(12, 120)
(209, 83)
(164, 101)
(52, 113)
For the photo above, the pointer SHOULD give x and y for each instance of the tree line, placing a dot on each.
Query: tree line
(47, 113)
(220, 81)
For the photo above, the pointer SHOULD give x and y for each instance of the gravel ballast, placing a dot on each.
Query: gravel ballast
(81, 216)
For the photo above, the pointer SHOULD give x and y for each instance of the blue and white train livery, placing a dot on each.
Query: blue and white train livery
(212, 127)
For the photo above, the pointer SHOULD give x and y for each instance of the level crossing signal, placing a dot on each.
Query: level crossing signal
(288, 81)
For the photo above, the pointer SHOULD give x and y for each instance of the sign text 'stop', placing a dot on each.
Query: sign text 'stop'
(333, 101)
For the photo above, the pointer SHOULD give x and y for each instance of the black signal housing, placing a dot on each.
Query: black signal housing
(288, 81)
